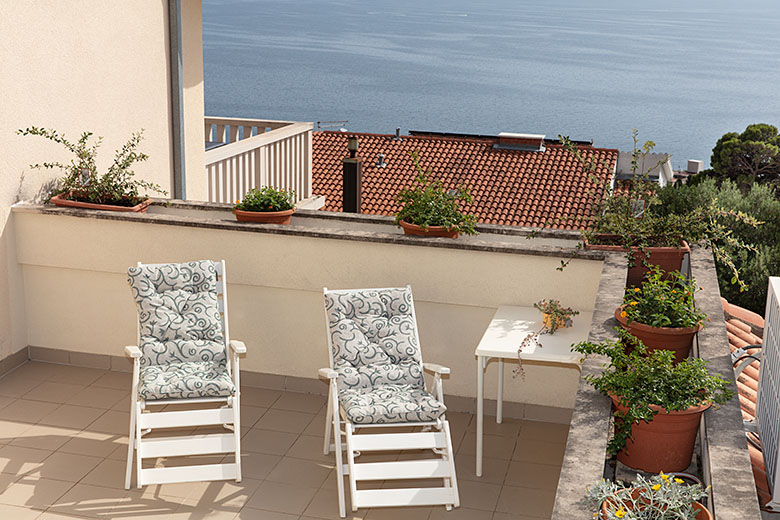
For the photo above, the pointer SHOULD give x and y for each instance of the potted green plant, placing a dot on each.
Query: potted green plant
(429, 210)
(266, 205)
(662, 312)
(629, 218)
(554, 315)
(658, 403)
(83, 187)
(659, 497)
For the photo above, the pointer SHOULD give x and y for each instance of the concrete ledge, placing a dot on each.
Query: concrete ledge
(586, 446)
(305, 385)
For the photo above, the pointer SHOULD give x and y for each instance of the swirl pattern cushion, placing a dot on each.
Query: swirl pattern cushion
(180, 330)
(376, 353)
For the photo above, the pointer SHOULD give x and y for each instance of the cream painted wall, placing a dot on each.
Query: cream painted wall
(89, 65)
(78, 299)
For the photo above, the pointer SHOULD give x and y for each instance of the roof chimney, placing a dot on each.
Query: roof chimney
(524, 142)
(695, 166)
(380, 161)
(397, 135)
(352, 173)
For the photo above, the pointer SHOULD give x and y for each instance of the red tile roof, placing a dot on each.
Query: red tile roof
(509, 186)
(740, 325)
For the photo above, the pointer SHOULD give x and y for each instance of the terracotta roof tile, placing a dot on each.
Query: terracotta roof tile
(522, 188)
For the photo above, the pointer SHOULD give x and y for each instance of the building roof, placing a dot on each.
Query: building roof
(509, 186)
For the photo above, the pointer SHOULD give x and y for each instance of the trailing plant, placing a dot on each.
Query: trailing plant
(659, 497)
(557, 316)
(82, 180)
(665, 299)
(639, 379)
(631, 216)
(266, 198)
(429, 204)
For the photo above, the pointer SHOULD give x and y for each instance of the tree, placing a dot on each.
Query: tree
(750, 157)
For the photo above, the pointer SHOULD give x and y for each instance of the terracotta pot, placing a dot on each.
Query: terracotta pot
(676, 339)
(264, 217)
(432, 231)
(560, 323)
(667, 258)
(61, 200)
(665, 443)
(702, 513)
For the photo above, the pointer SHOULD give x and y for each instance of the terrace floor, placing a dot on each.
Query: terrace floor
(63, 446)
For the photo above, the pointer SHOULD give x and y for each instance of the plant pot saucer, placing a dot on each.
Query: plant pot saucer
(60, 200)
(264, 217)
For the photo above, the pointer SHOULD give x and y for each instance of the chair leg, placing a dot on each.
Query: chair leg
(130, 445)
(139, 443)
(351, 462)
(237, 433)
(334, 411)
(328, 421)
(453, 482)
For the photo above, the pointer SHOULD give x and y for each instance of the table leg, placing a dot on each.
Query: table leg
(480, 404)
(500, 397)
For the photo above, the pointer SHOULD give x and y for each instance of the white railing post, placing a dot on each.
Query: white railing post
(280, 157)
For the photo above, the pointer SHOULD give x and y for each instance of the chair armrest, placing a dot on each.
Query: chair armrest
(237, 346)
(133, 351)
(328, 373)
(438, 369)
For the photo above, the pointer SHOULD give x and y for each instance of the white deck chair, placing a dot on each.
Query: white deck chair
(182, 359)
(376, 380)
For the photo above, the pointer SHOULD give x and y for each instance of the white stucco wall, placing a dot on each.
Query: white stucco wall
(77, 298)
(87, 65)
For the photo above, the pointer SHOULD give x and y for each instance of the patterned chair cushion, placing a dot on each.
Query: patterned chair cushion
(178, 313)
(183, 380)
(374, 338)
(390, 404)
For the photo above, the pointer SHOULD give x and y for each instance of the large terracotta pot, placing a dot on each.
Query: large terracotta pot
(702, 513)
(264, 217)
(667, 258)
(665, 443)
(61, 200)
(676, 339)
(432, 231)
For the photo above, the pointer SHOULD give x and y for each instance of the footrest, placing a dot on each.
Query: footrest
(204, 472)
(404, 469)
(189, 445)
(404, 497)
(398, 441)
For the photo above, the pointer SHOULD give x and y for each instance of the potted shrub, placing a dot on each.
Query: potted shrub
(662, 313)
(83, 187)
(554, 315)
(266, 205)
(629, 218)
(659, 497)
(658, 403)
(430, 210)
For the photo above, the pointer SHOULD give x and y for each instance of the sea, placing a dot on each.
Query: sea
(682, 72)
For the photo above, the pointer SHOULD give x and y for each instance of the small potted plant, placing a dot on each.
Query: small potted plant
(662, 312)
(430, 210)
(83, 187)
(658, 403)
(554, 315)
(659, 497)
(266, 205)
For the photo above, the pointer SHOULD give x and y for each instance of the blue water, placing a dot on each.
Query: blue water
(682, 72)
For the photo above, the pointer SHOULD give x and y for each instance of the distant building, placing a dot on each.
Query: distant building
(515, 179)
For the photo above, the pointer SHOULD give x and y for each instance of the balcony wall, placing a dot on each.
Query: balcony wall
(76, 296)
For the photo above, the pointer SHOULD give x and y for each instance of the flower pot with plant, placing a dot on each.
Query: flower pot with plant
(659, 497)
(630, 218)
(657, 403)
(662, 313)
(429, 210)
(83, 187)
(554, 315)
(266, 205)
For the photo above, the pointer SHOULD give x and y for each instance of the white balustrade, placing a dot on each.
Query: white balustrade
(257, 153)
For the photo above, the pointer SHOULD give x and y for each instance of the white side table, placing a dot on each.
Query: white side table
(509, 327)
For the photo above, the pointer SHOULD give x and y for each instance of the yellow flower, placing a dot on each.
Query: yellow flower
(665, 477)
(623, 314)
(637, 289)
(679, 481)
(674, 291)
(238, 202)
(620, 513)
(634, 303)
(656, 487)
